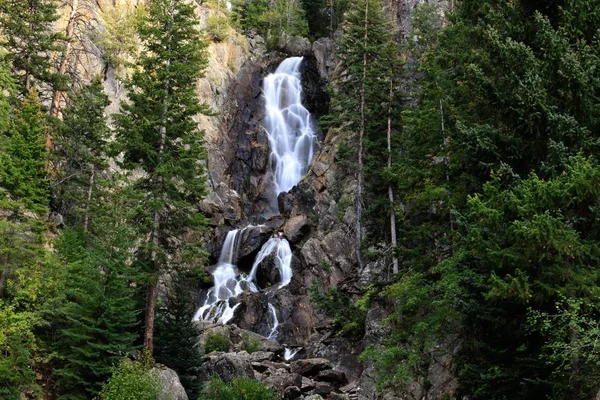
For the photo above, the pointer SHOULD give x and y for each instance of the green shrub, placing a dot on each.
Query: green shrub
(216, 342)
(250, 343)
(240, 389)
(131, 381)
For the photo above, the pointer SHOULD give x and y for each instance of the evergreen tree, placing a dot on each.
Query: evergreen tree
(157, 134)
(361, 99)
(177, 338)
(491, 232)
(80, 156)
(23, 156)
(28, 34)
(98, 321)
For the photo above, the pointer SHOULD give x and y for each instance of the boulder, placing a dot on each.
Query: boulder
(292, 393)
(332, 376)
(295, 228)
(323, 388)
(229, 365)
(310, 366)
(281, 379)
(307, 384)
(170, 386)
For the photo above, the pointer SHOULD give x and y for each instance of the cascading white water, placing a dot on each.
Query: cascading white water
(273, 334)
(288, 125)
(283, 259)
(216, 307)
(290, 353)
(229, 283)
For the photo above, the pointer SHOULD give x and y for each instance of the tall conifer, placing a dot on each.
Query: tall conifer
(157, 134)
(28, 34)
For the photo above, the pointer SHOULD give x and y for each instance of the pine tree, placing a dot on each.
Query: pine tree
(177, 337)
(80, 156)
(28, 34)
(157, 134)
(23, 155)
(98, 321)
(361, 95)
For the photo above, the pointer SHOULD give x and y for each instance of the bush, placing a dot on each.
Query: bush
(131, 381)
(239, 389)
(250, 344)
(216, 342)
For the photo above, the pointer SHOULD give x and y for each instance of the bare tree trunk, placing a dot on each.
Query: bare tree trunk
(86, 219)
(359, 182)
(64, 62)
(153, 287)
(395, 268)
(446, 157)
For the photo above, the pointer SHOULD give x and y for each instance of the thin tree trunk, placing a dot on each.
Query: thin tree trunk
(446, 157)
(3, 274)
(86, 219)
(27, 77)
(153, 286)
(359, 181)
(64, 63)
(395, 268)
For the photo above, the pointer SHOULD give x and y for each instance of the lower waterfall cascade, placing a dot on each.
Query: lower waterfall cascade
(289, 127)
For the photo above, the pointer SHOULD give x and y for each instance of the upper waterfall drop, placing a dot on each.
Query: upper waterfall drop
(288, 125)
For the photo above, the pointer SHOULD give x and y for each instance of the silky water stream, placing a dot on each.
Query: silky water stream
(289, 128)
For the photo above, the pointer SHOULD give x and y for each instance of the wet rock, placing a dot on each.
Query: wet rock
(323, 388)
(307, 384)
(229, 365)
(332, 376)
(310, 366)
(259, 356)
(170, 386)
(252, 239)
(292, 393)
(295, 228)
(282, 379)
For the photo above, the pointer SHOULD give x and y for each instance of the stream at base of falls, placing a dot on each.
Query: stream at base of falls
(291, 135)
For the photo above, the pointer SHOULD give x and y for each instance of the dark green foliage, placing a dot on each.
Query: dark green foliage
(239, 389)
(98, 327)
(28, 34)
(131, 381)
(216, 342)
(177, 337)
(80, 156)
(348, 316)
(156, 134)
(250, 344)
(325, 16)
(23, 156)
(498, 178)
(156, 131)
(271, 19)
(370, 76)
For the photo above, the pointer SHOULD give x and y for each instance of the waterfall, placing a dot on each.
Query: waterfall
(283, 259)
(229, 283)
(288, 125)
(216, 307)
(273, 334)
